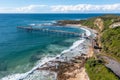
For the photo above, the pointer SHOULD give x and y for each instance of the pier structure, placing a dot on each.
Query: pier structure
(58, 32)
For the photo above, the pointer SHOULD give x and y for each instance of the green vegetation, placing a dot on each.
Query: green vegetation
(111, 41)
(114, 18)
(64, 22)
(89, 23)
(107, 23)
(97, 71)
(107, 20)
(110, 37)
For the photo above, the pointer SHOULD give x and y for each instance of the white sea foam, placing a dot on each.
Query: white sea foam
(42, 75)
(88, 33)
(77, 48)
(43, 24)
(75, 44)
(32, 24)
(23, 75)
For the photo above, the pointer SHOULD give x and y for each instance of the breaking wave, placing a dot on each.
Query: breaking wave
(77, 48)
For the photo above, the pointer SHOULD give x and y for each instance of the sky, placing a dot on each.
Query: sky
(59, 6)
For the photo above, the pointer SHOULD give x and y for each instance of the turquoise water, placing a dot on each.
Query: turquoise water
(20, 50)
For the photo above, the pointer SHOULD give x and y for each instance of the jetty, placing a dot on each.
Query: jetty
(58, 32)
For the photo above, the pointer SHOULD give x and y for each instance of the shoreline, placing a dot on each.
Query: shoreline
(52, 68)
(57, 58)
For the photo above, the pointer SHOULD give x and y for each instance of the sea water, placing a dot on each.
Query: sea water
(20, 50)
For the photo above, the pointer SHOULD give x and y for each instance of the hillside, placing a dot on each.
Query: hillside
(109, 36)
(97, 71)
(111, 42)
(108, 27)
(108, 39)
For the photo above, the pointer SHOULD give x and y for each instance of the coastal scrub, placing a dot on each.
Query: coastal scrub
(97, 71)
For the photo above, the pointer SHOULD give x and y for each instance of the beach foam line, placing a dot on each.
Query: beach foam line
(88, 33)
(75, 44)
(45, 60)
(19, 76)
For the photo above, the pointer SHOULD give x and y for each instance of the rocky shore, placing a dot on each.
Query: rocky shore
(69, 65)
(72, 68)
(66, 70)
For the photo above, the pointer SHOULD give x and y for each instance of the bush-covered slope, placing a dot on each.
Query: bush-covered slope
(107, 21)
(97, 71)
(109, 37)
(111, 41)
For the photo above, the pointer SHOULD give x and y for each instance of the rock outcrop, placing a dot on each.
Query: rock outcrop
(99, 23)
(114, 25)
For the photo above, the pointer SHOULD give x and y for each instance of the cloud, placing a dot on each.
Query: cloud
(30, 8)
(25, 9)
(62, 8)
(85, 7)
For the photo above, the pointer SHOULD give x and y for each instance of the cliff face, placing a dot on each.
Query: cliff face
(99, 23)
(109, 35)
(114, 25)
(109, 40)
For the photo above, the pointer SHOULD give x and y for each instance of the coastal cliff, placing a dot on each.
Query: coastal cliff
(107, 48)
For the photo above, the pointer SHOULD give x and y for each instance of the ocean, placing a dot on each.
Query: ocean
(21, 50)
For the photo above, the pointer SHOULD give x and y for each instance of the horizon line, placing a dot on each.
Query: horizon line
(63, 13)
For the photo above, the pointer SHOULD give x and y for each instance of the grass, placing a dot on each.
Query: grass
(97, 71)
(111, 42)
(110, 38)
